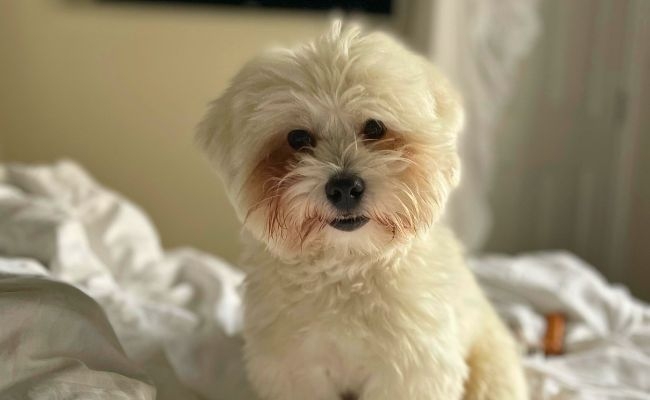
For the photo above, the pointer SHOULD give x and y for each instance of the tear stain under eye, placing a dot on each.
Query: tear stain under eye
(390, 141)
(266, 186)
(266, 182)
(418, 207)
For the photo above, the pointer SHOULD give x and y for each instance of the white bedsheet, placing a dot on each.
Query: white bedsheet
(608, 331)
(177, 314)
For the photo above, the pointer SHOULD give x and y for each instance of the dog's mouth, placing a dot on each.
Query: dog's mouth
(349, 224)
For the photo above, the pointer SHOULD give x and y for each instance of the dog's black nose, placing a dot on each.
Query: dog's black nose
(344, 191)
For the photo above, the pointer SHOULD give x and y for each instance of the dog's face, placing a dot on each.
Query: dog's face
(346, 144)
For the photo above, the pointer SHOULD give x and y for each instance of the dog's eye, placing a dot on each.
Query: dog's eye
(300, 139)
(374, 129)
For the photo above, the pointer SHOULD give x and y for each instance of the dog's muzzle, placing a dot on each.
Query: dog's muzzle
(344, 192)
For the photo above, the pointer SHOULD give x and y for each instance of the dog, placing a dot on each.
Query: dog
(338, 156)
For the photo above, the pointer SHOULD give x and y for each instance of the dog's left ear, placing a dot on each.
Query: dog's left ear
(449, 105)
(451, 117)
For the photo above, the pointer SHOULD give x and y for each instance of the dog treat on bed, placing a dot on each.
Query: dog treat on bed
(554, 337)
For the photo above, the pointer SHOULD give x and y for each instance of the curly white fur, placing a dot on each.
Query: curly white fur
(387, 311)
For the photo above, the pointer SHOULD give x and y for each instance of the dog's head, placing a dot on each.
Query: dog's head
(343, 144)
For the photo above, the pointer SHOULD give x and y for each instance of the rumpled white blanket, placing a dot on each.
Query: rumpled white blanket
(175, 313)
(171, 318)
(608, 332)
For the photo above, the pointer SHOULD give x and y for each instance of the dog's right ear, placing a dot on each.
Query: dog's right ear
(211, 135)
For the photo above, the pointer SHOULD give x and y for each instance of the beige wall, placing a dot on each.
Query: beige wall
(120, 88)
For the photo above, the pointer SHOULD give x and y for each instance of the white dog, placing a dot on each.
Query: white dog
(338, 156)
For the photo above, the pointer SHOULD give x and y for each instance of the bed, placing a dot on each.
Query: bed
(92, 307)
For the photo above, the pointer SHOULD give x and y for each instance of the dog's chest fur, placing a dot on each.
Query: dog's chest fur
(338, 321)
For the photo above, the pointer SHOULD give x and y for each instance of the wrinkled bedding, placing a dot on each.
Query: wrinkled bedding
(92, 307)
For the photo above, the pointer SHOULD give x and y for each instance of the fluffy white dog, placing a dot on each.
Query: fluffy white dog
(338, 156)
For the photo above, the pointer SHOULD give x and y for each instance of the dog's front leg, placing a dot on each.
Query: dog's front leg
(495, 368)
